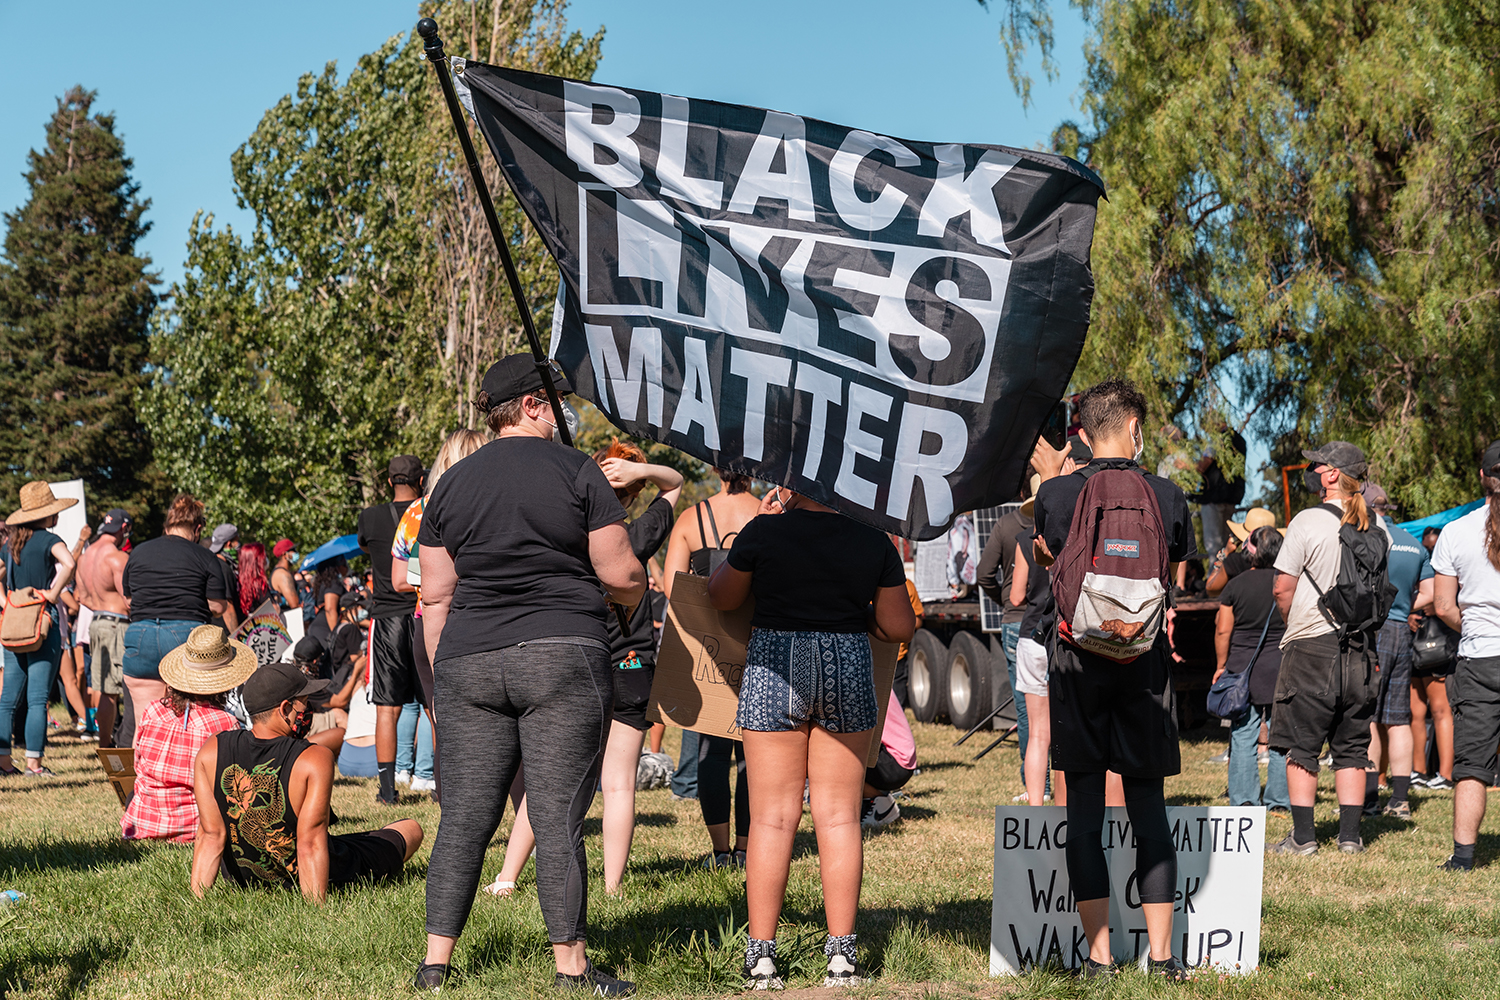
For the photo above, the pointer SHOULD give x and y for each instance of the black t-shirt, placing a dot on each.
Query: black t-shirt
(348, 642)
(1249, 596)
(318, 626)
(1236, 563)
(1058, 497)
(172, 579)
(377, 530)
(814, 571)
(1038, 586)
(516, 517)
(647, 534)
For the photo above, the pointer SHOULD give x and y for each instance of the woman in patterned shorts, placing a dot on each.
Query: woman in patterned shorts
(823, 584)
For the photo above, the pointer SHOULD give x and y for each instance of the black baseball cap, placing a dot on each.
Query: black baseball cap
(1340, 455)
(275, 683)
(350, 599)
(1490, 459)
(116, 522)
(405, 469)
(516, 375)
(308, 648)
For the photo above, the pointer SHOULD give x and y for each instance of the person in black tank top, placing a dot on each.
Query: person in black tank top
(263, 802)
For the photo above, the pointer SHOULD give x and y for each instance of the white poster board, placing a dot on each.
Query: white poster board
(1216, 920)
(71, 521)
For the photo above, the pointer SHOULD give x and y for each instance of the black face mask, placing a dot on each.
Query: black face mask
(1313, 482)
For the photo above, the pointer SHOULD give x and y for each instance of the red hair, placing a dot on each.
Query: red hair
(630, 453)
(254, 587)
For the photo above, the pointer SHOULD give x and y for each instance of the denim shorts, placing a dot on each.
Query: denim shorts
(146, 642)
(795, 678)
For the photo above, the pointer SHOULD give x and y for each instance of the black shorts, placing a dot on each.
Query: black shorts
(887, 775)
(375, 856)
(1474, 693)
(393, 662)
(1113, 716)
(1393, 702)
(633, 694)
(1324, 692)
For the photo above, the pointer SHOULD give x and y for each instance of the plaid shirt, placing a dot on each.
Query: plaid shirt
(163, 807)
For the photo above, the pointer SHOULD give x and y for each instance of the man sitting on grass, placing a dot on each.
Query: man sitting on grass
(263, 801)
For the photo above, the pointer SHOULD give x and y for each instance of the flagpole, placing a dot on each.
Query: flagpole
(433, 46)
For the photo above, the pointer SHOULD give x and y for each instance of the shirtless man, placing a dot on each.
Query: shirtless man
(98, 589)
(282, 580)
(706, 760)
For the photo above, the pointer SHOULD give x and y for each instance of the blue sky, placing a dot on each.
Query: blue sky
(188, 82)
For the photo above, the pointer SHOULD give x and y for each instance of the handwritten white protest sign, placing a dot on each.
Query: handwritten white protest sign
(1216, 918)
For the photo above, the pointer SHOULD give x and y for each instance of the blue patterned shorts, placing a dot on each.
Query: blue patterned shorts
(793, 678)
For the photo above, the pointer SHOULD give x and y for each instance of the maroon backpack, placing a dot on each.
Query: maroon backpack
(1110, 580)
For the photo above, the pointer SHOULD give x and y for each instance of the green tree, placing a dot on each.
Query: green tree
(1303, 224)
(75, 299)
(354, 321)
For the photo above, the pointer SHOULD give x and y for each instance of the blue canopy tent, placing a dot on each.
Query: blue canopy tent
(1441, 518)
(345, 546)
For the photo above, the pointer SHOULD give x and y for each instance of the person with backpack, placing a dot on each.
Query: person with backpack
(1466, 593)
(1333, 594)
(1112, 535)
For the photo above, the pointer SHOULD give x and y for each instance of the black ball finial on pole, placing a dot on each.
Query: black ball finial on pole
(432, 44)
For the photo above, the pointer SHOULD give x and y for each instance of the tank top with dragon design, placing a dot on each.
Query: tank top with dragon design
(252, 792)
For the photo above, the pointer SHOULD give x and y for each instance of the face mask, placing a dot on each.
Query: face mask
(300, 723)
(1313, 482)
(1140, 443)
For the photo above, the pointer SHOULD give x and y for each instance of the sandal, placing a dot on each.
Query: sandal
(499, 888)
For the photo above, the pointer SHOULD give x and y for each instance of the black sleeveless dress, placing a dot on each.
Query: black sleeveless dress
(253, 794)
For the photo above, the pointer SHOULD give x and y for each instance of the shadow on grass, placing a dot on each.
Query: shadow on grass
(594, 826)
(68, 855)
(74, 967)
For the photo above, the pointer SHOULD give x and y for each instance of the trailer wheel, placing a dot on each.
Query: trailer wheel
(1000, 690)
(970, 667)
(927, 686)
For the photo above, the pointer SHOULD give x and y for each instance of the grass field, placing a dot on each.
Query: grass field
(107, 918)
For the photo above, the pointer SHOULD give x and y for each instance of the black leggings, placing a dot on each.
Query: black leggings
(547, 701)
(1156, 855)
(714, 756)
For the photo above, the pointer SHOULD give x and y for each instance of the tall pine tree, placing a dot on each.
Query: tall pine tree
(75, 297)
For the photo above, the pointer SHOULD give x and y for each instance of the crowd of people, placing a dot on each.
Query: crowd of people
(502, 643)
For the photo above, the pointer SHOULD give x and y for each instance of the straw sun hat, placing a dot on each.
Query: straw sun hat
(38, 504)
(208, 663)
(1255, 517)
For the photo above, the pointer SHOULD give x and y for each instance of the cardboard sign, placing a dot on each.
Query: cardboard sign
(265, 633)
(702, 658)
(1216, 918)
(119, 767)
(71, 521)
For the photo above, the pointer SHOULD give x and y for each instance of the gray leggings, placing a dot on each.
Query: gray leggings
(547, 702)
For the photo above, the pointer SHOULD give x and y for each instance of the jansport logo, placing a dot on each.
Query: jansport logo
(1123, 548)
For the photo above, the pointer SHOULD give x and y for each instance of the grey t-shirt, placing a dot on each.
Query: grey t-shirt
(1312, 543)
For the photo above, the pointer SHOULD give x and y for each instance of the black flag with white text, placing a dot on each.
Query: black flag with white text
(879, 324)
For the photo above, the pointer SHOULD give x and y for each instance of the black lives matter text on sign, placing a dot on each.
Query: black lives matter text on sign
(1216, 912)
(878, 323)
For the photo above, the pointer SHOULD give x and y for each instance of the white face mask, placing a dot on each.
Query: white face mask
(1140, 443)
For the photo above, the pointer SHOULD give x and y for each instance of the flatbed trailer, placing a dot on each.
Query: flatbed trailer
(957, 671)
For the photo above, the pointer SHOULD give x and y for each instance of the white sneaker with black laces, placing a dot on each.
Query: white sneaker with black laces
(878, 812)
(763, 975)
(842, 972)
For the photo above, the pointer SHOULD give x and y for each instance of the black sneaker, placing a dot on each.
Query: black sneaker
(763, 975)
(597, 982)
(1438, 783)
(1169, 969)
(1290, 845)
(430, 978)
(383, 800)
(1091, 969)
(1420, 780)
(1453, 864)
(842, 972)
